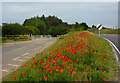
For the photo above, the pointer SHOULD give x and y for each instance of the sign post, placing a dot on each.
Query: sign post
(99, 27)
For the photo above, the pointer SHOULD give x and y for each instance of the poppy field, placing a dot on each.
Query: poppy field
(80, 56)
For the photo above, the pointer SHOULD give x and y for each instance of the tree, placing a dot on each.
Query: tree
(84, 25)
(58, 30)
(12, 29)
(36, 23)
(31, 30)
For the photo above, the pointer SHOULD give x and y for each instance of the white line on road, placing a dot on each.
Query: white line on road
(28, 57)
(21, 60)
(13, 65)
(25, 54)
(16, 58)
(114, 47)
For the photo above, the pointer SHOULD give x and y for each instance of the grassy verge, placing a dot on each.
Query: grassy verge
(107, 31)
(80, 56)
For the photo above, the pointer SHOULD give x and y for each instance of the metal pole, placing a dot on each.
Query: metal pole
(99, 33)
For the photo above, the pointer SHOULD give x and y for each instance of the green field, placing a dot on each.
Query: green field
(78, 56)
(107, 31)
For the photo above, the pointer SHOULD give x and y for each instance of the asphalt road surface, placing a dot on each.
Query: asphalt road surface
(15, 54)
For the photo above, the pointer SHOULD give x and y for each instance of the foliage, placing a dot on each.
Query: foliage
(12, 29)
(31, 30)
(58, 30)
(36, 23)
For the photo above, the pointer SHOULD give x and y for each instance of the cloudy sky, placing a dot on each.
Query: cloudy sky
(92, 13)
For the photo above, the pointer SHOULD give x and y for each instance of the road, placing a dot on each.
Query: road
(15, 54)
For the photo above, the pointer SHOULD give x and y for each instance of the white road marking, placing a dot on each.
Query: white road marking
(28, 57)
(21, 60)
(16, 58)
(13, 65)
(114, 47)
(4, 70)
(25, 54)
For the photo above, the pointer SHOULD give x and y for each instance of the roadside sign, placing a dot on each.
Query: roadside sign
(100, 28)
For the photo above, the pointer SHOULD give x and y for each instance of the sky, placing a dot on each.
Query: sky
(93, 13)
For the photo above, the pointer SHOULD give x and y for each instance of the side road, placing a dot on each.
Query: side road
(14, 55)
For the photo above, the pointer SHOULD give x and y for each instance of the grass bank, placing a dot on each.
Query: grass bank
(79, 56)
(107, 31)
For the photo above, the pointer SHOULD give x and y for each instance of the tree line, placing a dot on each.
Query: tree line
(51, 25)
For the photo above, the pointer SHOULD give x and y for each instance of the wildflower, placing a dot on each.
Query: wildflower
(39, 70)
(100, 68)
(77, 60)
(80, 53)
(36, 66)
(91, 63)
(105, 72)
(45, 77)
(24, 65)
(104, 79)
(14, 78)
(74, 68)
(73, 73)
(23, 74)
(98, 61)
(61, 70)
(70, 70)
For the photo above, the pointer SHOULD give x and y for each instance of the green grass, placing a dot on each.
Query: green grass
(107, 31)
(74, 58)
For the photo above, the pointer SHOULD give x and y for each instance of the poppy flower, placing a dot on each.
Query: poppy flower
(61, 70)
(23, 74)
(74, 68)
(14, 78)
(39, 70)
(100, 68)
(105, 72)
(91, 63)
(31, 67)
(104, 79)
(70, 70)
(98, 61)
(24, 65)
(77, 60)
(45, 77)
(73, 73)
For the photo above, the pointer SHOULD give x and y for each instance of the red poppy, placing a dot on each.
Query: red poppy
(31, 67)
(80, 53)
(45, 77)
(73, 73)
(105, 72)
(100, 68)
(70, 70)
(61, 70)
(74, 68)
(104, 79)
(39, 70)
(77, 60)
(33, 58)
(23, 74)
(36, 66)
(14, 78)
(91, 63)
(98, 61)
(79, 78)
(24, 65)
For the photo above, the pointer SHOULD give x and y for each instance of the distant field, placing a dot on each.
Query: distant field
(107, 31)
(79, 56)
